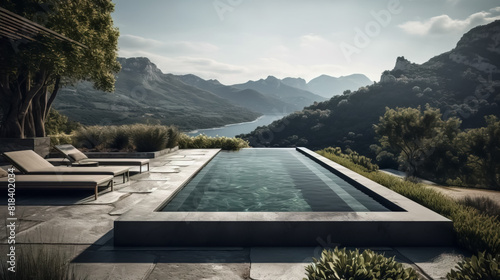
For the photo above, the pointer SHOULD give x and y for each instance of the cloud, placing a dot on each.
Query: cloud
(128, 41)
(132, 42)
(313, 42)
(443, 24)
(185, 46)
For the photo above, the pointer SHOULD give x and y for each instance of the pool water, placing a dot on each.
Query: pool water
(269, 180)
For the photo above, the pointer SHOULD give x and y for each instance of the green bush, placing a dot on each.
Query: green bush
(354, 157)
(484, 266)
(204, 142)
(57, 123)
(148, 138)
(347, 264)
(60, 139)
(475, 231)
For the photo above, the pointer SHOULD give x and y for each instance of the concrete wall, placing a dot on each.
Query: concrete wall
(41, 145)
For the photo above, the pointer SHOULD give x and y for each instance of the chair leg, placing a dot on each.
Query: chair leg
(96, 191)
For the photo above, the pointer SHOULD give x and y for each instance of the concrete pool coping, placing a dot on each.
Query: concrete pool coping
(415, 226)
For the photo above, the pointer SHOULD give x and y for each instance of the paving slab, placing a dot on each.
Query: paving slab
(127, 203)
(28, 217)
(79, 224)
(280, 263)
(436, 262)
(143, 186)
(180, 163)
(166, 169)
(103, 198)
(202, 265)
(129, 265)
(151, 177)
(158, 162)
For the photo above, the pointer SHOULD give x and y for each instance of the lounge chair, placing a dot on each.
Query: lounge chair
(29, 162)
(75, 156)
(58, 182)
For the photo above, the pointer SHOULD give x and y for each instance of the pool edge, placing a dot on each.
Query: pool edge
(417, 226)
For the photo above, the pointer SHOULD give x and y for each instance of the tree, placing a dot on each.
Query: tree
(482, 150)
(414, 135)
(57, 123)
(31, 73)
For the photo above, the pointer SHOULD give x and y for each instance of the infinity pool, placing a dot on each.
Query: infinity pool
(273, 197)
(269, 180)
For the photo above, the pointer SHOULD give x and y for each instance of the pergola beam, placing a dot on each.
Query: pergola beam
(16, 27)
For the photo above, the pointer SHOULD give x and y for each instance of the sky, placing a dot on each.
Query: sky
(234, 41)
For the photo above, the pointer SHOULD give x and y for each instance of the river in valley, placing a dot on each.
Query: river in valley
(232, 130)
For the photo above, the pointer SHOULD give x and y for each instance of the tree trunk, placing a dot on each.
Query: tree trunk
(38, 110)
(11, 126)
(29, 123)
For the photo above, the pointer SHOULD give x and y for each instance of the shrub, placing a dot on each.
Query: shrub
(120, 137)
(39, 263)
(173, 136)
(347, 264)
(351, 156)
(148, 138)
(60, 139)
(474, 231)
(92, 137)
(484, 266)
(483, 204)
(204, 142)
(57, 123)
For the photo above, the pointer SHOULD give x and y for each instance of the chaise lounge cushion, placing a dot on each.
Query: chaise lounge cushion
(3, 173)
(77, 156)
(74, 155)
(29, 162)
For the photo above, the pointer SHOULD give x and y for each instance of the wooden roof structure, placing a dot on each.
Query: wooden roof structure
(15, 27)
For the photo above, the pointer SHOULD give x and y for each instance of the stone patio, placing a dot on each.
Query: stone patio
(81, 229)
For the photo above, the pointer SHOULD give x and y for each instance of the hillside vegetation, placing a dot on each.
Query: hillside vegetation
(145, 95)
(462, 83)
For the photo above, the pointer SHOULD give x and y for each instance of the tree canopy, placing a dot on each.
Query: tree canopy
(415, 134)
(31, 72)
(437, 149)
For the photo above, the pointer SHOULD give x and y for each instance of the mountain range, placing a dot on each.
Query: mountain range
(463, 82)
(144, 94)
(328, 86)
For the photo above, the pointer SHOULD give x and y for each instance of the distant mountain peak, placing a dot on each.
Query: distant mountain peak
(214, 81)
(141, 65)
(402, 63)
(328, 86)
